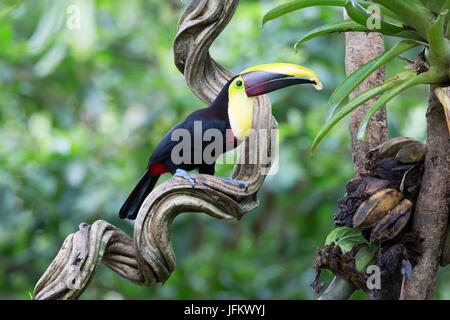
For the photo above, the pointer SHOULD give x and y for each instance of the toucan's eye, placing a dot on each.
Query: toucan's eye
(239, 83)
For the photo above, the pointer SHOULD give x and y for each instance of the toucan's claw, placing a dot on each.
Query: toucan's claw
(183, 174)
(241, 183)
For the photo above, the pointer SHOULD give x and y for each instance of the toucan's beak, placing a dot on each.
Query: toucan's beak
(270, 77)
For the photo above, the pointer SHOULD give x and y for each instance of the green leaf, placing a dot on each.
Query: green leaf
(439, 55)
(437, 5)
(338, 26)
(357, 101)
(358, 76)
(412, 12)
(447, 22)
(386, 97)
(360, 15)
(345, 238)
(365, 257)
(350, 26)
(301, 4)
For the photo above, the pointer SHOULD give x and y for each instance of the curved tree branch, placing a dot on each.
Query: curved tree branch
(149, 258)
(198, 27)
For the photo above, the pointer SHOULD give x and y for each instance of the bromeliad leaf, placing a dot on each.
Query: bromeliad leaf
(350, 26)
(365, 257)
(437, 5)
(412, 12)
(387, 96)
(360, 15)
(301, 4)
(358, 76)
(345, 238)
(338, 26)
(297, 5)
(357, 101)
(439, 54)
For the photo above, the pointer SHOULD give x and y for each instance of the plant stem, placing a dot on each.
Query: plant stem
(339, 289)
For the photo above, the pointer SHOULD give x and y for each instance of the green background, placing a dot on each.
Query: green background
(81, 111)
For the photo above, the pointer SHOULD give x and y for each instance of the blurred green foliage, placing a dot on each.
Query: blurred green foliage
(82, 109)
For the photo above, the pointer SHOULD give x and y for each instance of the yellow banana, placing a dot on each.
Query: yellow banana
(375, 208)
(392, 146)
(392, 223)
(412, 152)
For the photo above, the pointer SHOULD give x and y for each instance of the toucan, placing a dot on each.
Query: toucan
(230, 115)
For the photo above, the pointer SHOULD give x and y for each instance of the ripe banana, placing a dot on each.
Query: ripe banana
(412, 152)
(373, 185)
(392, 223)
(391, 147)
(376, 207)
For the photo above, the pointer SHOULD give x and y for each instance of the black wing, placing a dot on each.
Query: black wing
(164, 148)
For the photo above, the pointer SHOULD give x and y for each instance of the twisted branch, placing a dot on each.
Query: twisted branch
(149, 257)
(198, 27)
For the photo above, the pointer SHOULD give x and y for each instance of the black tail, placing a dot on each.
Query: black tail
(134, 201)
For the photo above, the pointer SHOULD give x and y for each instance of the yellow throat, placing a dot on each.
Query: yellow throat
(240, 112)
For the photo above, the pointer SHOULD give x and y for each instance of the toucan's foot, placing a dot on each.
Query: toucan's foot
(183, 174)
(241, 183)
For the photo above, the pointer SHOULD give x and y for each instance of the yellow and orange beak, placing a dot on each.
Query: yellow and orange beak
(270, 77)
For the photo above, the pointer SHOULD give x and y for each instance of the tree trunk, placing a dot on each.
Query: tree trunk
(360, 47)
(431, 215)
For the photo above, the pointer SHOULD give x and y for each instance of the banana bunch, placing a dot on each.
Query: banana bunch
(382, 201)
(404, 149)
(386, 212)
